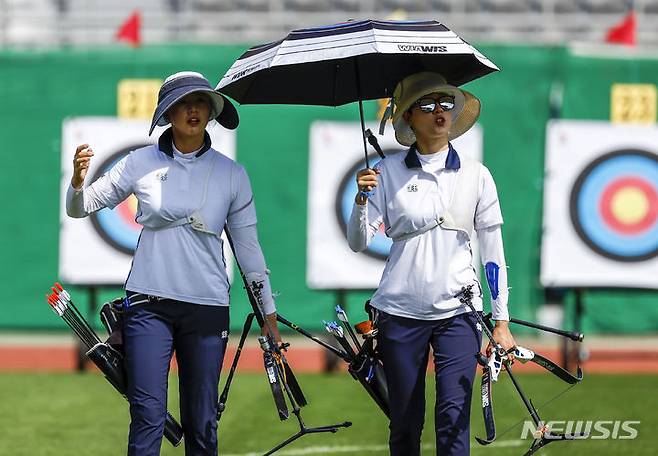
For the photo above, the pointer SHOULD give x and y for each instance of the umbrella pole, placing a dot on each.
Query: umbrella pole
(363, 133)
(358, 95)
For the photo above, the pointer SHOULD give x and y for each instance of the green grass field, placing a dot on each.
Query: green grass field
(72, 414)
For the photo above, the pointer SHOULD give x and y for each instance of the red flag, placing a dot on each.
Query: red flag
(129, 32)
(624, 32)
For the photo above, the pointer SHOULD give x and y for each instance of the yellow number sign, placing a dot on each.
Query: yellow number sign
(137, 98)
(633, 103)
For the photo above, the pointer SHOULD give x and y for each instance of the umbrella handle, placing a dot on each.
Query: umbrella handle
(372, 139)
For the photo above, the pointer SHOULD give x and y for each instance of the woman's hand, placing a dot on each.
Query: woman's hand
(366, 179)
(503, 336)
(81, 160)
(272, 323)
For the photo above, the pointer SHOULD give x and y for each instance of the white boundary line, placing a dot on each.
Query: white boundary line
(358, 449)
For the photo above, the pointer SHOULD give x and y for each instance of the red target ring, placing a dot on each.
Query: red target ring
(629, 205)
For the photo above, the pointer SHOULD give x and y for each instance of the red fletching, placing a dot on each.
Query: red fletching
(52, 300)
(59, 286)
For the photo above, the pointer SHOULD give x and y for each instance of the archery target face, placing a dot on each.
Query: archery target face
(614, 205)
(98, 249)
(336, 155)
(606, 178)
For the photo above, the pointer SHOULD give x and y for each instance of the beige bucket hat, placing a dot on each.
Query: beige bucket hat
(412, 88)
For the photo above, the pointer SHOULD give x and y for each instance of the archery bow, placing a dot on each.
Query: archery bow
(498, 360)
(280, 376)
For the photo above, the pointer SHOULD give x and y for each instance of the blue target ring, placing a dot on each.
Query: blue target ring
(614, 205)
(380, 246)
(117, 227)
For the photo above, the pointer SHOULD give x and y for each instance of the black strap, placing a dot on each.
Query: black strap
(135, 299)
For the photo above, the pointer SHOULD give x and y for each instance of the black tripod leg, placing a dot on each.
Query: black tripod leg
(284, 443)
(303, 430)
(221, 405)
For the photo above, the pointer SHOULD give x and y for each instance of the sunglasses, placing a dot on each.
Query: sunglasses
(445, 102)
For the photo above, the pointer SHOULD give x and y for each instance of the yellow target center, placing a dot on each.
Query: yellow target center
(630, 205)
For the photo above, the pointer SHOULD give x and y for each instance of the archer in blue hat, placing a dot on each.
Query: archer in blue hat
(177, 290)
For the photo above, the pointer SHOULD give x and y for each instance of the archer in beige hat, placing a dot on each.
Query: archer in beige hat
(464, 111)
(431, 203)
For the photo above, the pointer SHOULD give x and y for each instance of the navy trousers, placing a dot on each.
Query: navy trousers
(404, 347)
(151, 333)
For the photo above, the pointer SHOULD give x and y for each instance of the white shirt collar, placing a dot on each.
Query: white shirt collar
(433, 162)
(186, 156)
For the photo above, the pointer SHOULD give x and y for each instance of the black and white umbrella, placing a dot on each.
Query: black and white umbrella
(352, 61)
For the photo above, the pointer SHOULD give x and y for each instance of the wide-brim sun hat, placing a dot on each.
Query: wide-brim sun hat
(183, 83)
(414, 87)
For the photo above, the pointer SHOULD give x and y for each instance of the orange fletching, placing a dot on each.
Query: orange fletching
(365, 327)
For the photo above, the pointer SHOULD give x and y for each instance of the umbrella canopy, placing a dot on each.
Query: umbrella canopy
(353, 61)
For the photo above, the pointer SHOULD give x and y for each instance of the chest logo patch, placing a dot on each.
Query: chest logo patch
(161, 176)
(412, 187)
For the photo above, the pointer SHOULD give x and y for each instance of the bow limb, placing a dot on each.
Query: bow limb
(487, 408)
(556, 370)
(524, 355)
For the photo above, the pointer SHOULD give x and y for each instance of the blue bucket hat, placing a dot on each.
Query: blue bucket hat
(183, 83)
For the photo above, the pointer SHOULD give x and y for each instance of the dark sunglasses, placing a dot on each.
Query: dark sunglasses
(445, 102)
